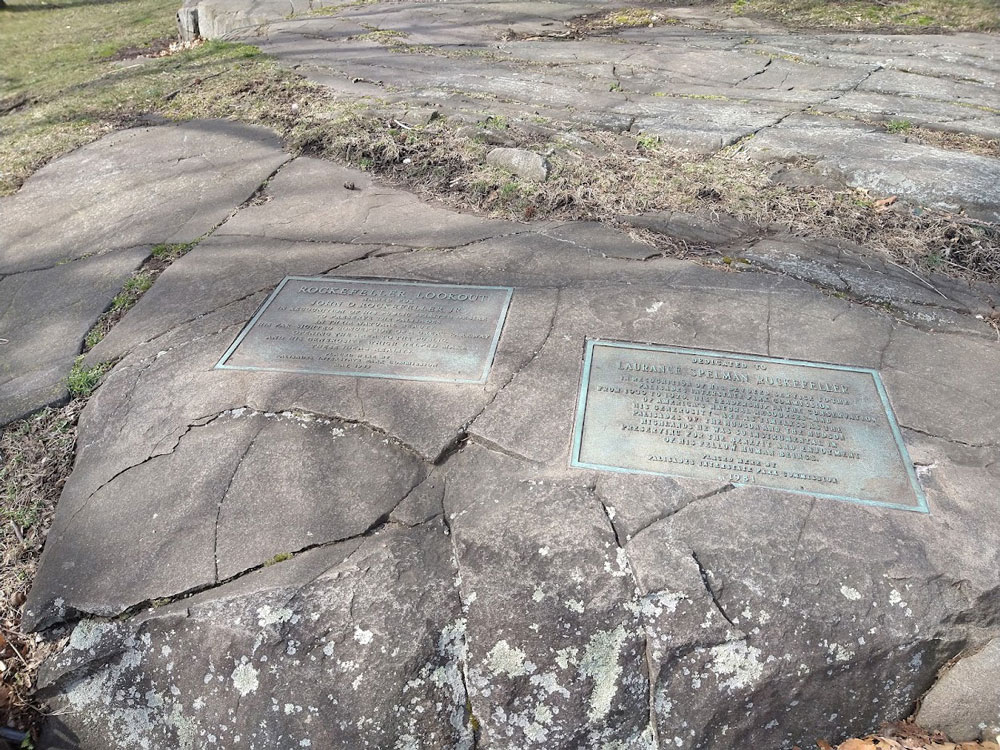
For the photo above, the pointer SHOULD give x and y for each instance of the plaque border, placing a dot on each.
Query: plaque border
(491, 355)
(581, 405)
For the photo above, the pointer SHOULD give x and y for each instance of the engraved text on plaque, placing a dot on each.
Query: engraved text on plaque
(806, 427)
(372, 328)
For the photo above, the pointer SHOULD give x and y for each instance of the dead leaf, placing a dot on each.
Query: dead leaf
(857, 744)
(881, 742)
(823, 745)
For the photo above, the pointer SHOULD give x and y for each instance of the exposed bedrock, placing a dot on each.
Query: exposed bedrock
(332, 560)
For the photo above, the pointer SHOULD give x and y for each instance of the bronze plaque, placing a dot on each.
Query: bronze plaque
(371, 328)
(817, 429)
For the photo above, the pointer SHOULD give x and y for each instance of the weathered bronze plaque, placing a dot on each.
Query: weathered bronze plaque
(806, 427)
(370, 328)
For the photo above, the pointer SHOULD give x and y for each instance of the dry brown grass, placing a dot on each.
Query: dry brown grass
(949, 140)
(37, 455)
(618, 178)
(599, 23)
(900, 16)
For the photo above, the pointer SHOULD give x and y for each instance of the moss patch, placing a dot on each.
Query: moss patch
(387, 37)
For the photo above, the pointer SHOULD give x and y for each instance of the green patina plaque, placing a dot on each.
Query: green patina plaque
(372, 328)
(806, 427)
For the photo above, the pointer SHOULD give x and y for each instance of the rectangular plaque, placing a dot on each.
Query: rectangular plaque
(806, 427)
(377, 329)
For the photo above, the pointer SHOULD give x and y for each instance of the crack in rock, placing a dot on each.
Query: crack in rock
(534, 355)
(497, 448)
(378, 525)
(463, 664)
(757, 73)
(673, 512)
(193, 425)
(637, 597)
(711, 591)
(947, 439)
(222, 499)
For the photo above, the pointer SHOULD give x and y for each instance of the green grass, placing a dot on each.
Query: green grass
(59, 89)
(94, 337)
(627, 18)
(42, 59)
(647, 142)
(132, 290)
(387, 37)
(898, 15)
(137, 285)
(82, 380)
(169, 253)
(495, 122)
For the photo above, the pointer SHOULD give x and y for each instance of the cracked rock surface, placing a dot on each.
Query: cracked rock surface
(264, 559)
(261, 559)
(80, 226)
(697, 80)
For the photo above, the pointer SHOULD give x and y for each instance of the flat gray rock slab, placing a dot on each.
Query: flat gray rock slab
(368, 213)
(928, 87)
(311, 224)
(45, 316)
(708, 230)
(939, 115)
(846, 268)
(930, 55)
(865, 158)
(80, 226)
(965, 703)
(139, 187)
(700, 81)
(348, 558)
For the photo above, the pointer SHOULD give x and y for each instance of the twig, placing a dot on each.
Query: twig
(920, 279)
(175, 92)
(13, 648)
